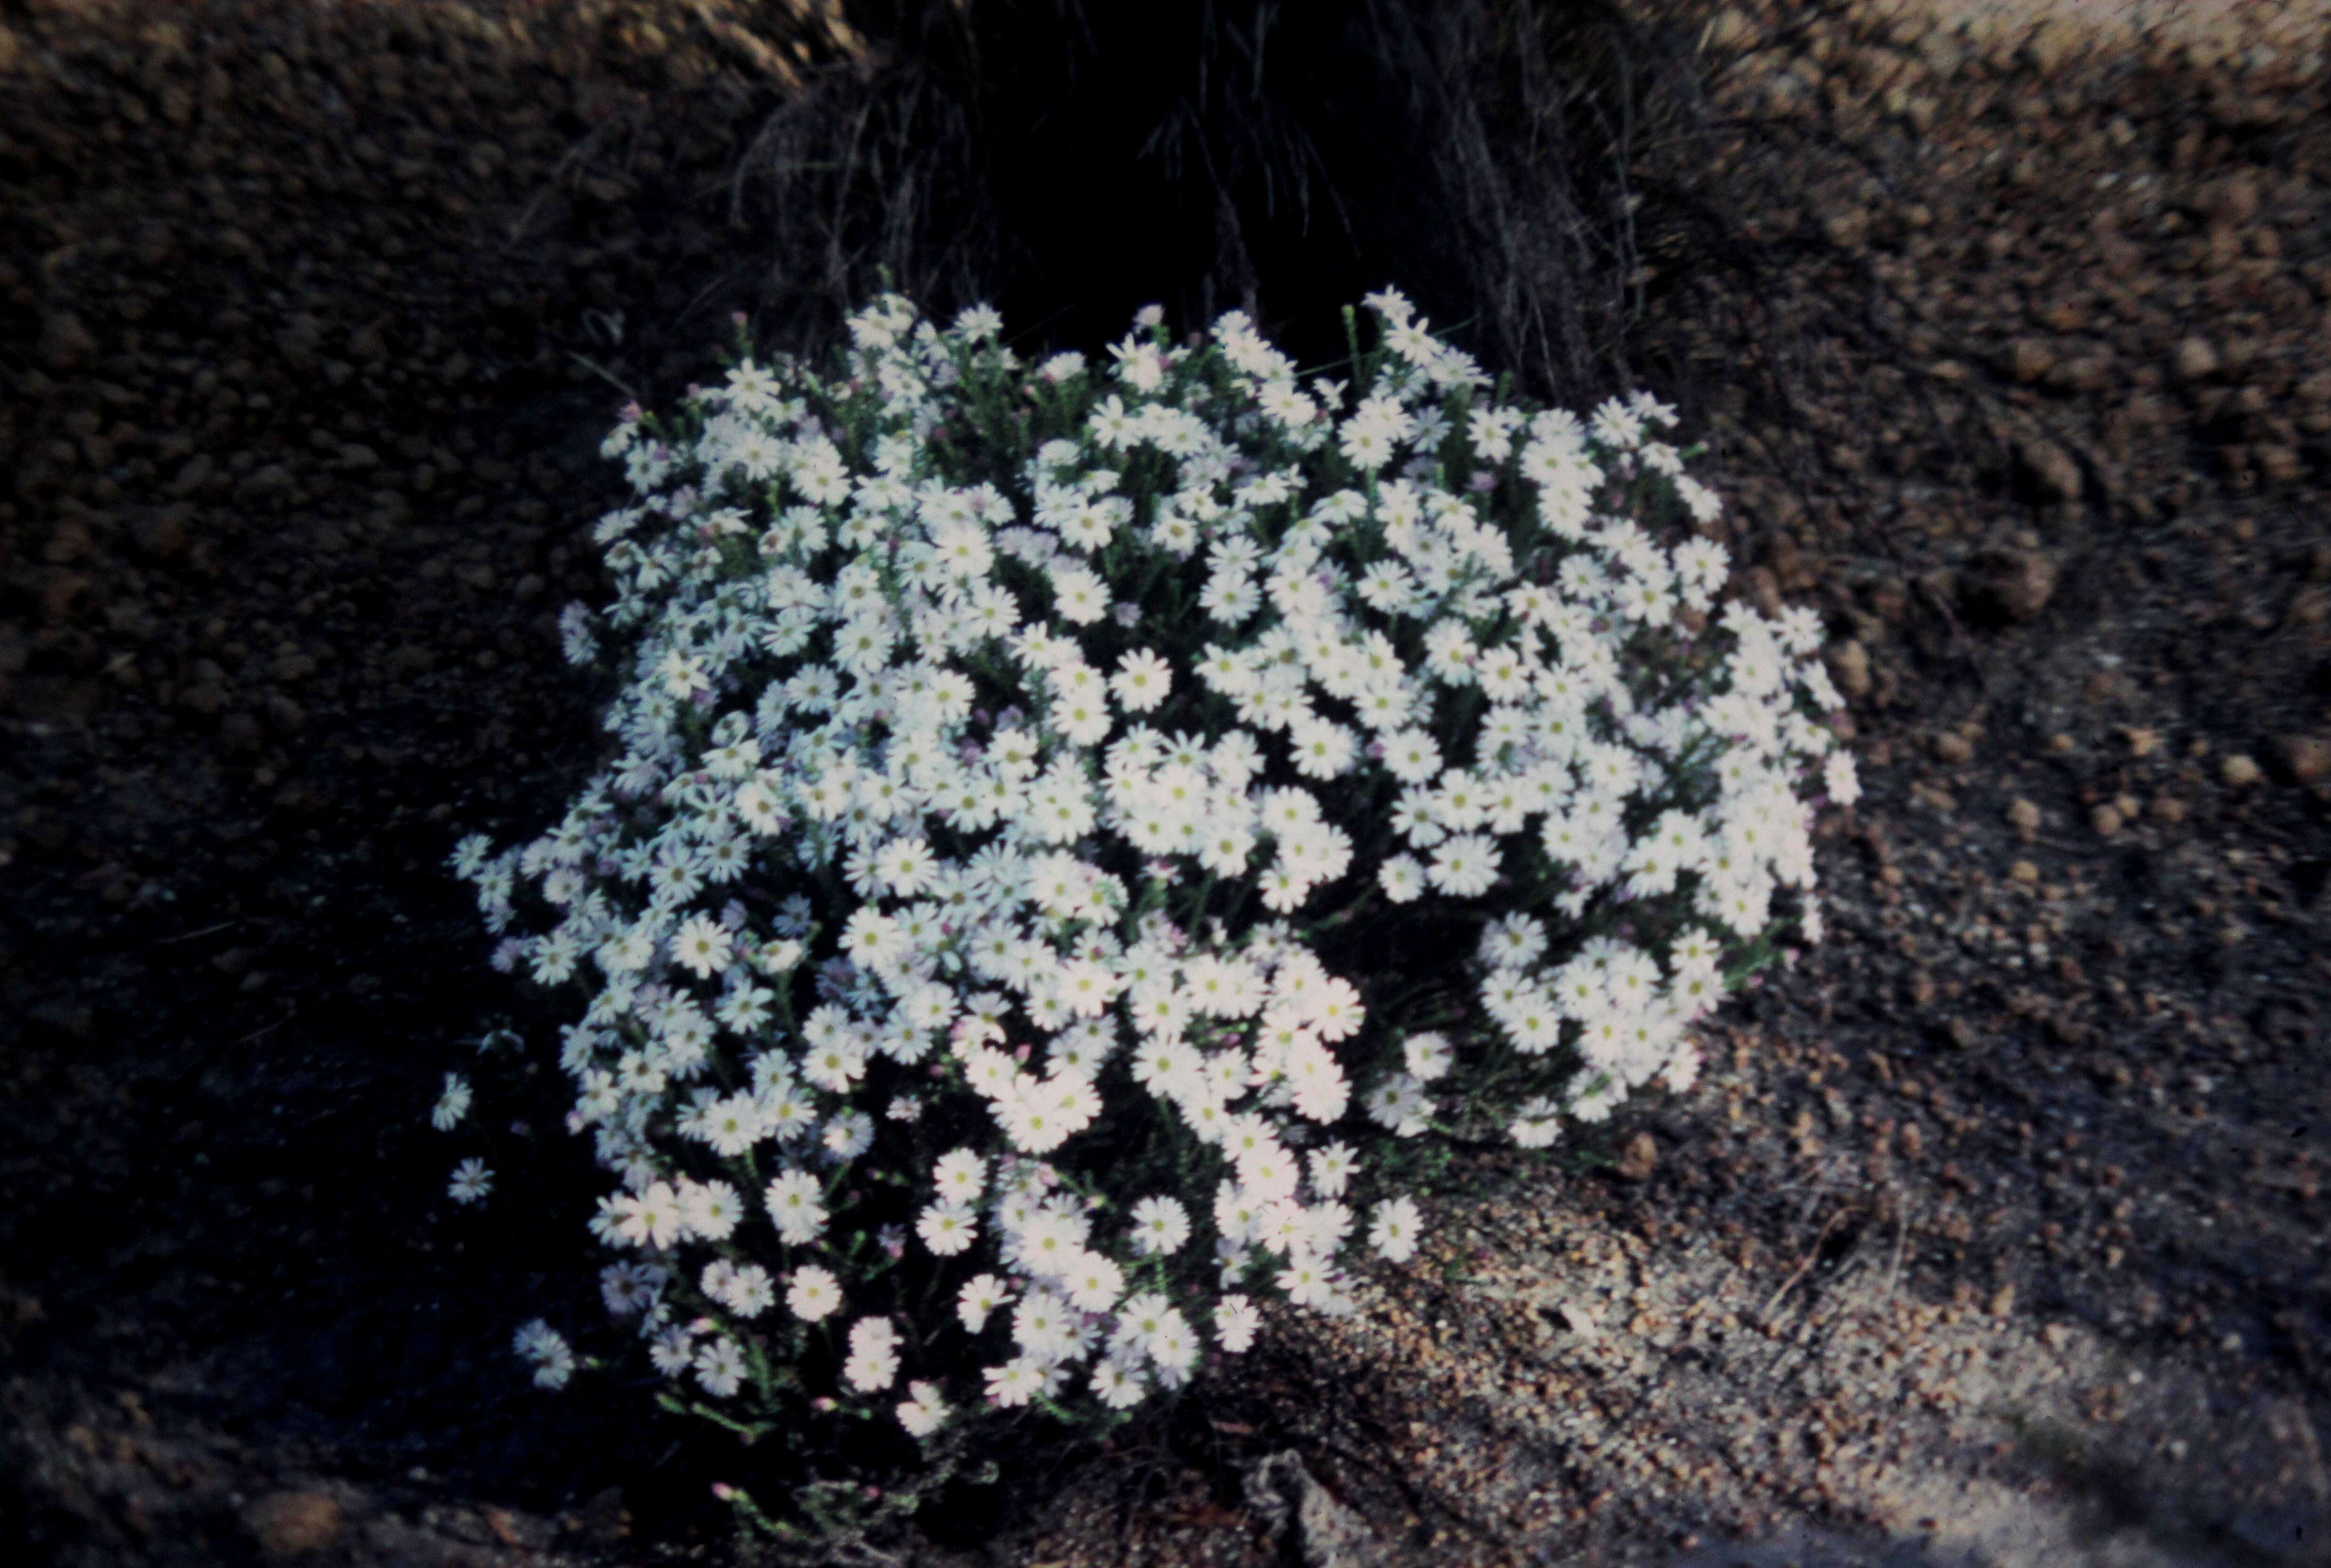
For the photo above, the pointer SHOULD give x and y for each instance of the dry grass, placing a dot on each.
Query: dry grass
(1499, 160)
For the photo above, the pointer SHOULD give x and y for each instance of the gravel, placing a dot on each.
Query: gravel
(1994, 1231)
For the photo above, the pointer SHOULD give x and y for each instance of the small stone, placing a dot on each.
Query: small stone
(2023, 817)
(2308, 756)
(2167, 809)
(293, 1524)
(1847, 227)
(2062, 744)
(2195, 359)
(2051, 48)
(195, 474)
(1729, 29)
(2142, 742)
(1849, 666)
(2090, 372)
(65, 343)
(2002, 1301)
(300, 337)
(2029, 359)
(1952, 748)
(1638, 1158)
(603, 1520)
(69, 542)
(2278, 462)
(238, 733)
(2240, 771)
(2234, 198)
(163, 535)
(2052, 470)
(2106, 819)
(60, 595)
(267, 479)
(2025, 872)
(2002, 585)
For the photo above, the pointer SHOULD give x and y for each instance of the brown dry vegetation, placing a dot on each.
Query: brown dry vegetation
(1996, 1228)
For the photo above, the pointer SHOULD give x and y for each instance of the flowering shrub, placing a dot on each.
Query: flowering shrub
(1074, 821)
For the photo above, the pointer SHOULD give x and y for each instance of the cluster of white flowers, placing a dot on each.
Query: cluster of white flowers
(968, 708)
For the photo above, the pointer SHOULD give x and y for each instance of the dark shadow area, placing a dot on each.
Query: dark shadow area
(1073, 162)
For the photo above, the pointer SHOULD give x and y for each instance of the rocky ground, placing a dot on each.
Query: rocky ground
(1995, 1232)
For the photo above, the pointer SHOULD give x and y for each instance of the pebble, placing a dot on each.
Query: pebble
(2308, 756)
(2029, 359)
(65, 343)
(2240, 771)
(69, 542)
(238, 733)
(267, 479)
(162, 536)
(2234, 198)
(293, 1524)
(60, 595)
(2106, 819)
(195, 474)
(2058, 476)
(2195, 360)
(2009, 585)
(1952, 748)
(1849, 666)
(2023, 817)
(1639, 1158)
(2051, 48)
(1729, 29)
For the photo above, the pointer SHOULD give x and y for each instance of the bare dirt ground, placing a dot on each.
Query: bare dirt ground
(1995, 1232)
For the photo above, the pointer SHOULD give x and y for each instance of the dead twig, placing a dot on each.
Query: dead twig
(1894, 1268)
(192, 936)
(1804, 1266)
